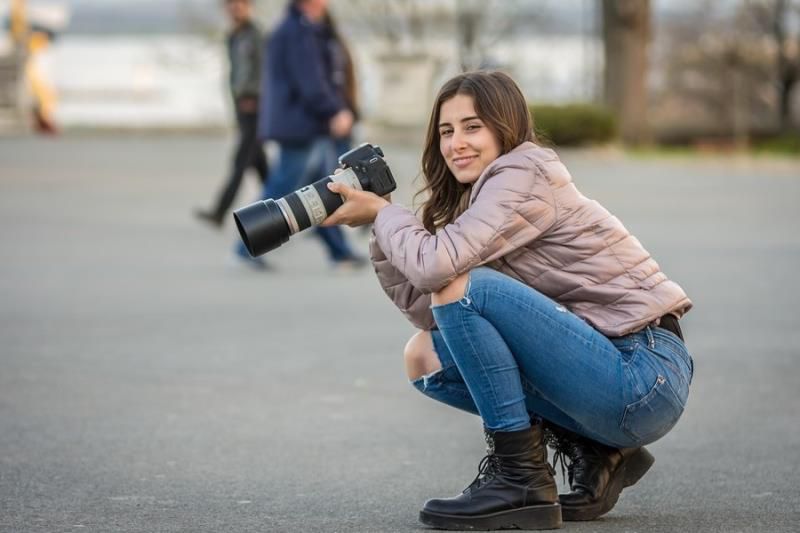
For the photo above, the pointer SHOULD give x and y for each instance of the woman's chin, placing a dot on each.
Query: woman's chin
(466, 179)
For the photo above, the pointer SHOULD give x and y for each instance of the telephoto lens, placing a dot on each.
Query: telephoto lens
(267, 224)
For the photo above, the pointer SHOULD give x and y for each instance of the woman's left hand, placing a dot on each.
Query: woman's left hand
(359, 208)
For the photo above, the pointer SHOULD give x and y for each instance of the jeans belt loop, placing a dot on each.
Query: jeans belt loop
(651, 341)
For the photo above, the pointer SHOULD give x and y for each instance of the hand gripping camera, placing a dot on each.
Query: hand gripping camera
(267, 224)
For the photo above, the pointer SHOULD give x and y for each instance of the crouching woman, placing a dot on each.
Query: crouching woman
(537, 310)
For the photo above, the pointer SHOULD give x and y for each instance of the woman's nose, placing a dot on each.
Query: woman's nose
(458, 141)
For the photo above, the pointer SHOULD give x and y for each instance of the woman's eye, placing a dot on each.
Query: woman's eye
(445, 133)
(472, 127)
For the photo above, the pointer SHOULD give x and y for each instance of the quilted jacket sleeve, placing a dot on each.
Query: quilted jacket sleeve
(509, 211)
(412, 302)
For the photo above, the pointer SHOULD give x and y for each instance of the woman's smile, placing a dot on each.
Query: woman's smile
(464, 161)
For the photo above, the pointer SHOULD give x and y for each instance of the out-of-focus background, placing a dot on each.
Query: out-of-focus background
(715, 72)
(149, 384)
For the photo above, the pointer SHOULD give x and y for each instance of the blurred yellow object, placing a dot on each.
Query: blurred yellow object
(31, 43)
(43, 92)
(19, 22)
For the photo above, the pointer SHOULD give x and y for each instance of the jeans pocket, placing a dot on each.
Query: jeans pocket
(651, 417)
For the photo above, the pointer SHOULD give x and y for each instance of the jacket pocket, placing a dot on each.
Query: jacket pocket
(651, 417)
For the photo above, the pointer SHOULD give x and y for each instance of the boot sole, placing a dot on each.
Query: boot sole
(533, 517)
(634, 467)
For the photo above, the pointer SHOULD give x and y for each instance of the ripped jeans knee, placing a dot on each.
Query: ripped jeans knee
(445, 385)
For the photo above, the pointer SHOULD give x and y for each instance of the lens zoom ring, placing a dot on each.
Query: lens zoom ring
(299, 210)
(330, 200)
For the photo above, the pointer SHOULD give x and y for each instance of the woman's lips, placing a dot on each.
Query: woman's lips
(461, 162)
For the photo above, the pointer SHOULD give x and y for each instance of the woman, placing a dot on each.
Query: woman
(536, 308)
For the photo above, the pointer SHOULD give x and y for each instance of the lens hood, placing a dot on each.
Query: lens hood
(262, 227)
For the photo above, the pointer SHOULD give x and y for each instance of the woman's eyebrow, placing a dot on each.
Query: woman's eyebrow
(465, 119)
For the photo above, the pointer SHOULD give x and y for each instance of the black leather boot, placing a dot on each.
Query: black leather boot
(597, 473)
(514, 488)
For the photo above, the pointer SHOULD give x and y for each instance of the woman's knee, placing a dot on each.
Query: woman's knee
(453, 292)
(420, 356)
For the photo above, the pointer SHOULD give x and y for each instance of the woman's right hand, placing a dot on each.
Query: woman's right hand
(387, 196)
(359, 207)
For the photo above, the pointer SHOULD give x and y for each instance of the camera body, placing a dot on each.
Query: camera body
(267, 224)
(371, 169)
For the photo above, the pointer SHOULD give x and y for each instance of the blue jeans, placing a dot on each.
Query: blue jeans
(509, 353)
(302, 164)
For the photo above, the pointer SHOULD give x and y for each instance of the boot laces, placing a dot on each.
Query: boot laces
(488, 469)
(563, 455)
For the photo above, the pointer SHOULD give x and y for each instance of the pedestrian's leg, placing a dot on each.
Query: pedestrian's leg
(243, 154)
(290, 171)
(337, 246)
(261, 164)
(258, 158)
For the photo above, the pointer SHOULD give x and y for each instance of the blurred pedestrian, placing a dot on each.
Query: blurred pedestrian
(308, 109)
(244, 54)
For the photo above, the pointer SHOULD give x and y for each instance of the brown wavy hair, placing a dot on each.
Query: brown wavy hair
(500, 104)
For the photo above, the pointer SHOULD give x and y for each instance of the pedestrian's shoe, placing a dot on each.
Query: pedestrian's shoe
(514, 488)
(242, 260)
(351, 263)
(209, 217)
(597, 473)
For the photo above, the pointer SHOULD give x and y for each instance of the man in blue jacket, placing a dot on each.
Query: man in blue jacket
(304, 108)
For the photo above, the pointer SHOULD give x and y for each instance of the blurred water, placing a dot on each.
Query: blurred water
(180, 80)
(176, 80)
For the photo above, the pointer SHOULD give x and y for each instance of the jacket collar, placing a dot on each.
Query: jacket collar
(490, 169)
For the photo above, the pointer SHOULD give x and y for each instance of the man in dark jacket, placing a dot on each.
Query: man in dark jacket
(244, 54)
(301, 101)
(304, 108)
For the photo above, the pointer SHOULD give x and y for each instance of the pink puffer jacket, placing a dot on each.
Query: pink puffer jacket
(527, 220)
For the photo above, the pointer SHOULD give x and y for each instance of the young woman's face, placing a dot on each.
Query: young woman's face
(466, 143)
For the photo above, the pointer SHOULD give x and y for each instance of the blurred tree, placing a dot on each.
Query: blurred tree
(401, 26)
(626, 35)
(481, 24)
(723, 74)
(776, 19)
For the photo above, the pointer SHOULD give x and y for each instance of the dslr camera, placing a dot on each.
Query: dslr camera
(267, 224)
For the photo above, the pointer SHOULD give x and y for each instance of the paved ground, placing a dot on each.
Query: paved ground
(145, 386)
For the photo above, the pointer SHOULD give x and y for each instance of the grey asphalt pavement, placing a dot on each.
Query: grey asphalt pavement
(149, 385)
